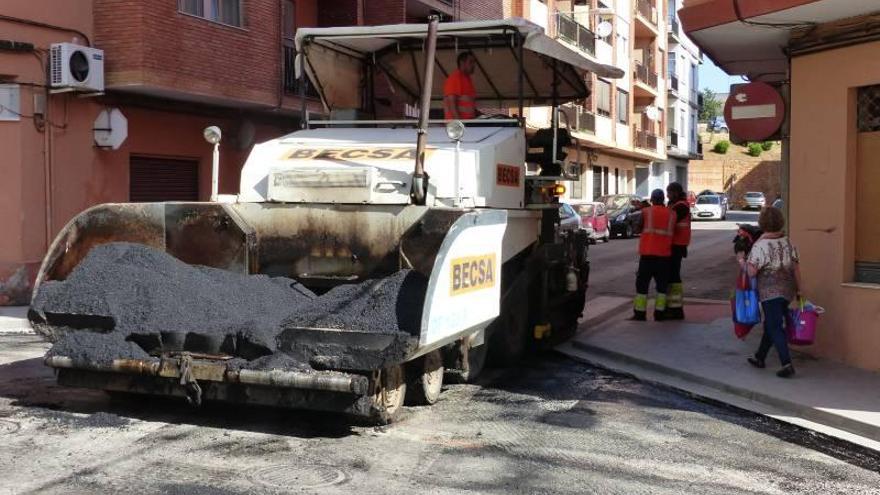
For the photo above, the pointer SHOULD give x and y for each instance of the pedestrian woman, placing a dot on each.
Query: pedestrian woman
(774, 261)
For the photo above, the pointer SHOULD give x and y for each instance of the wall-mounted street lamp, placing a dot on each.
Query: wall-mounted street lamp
(212, 135)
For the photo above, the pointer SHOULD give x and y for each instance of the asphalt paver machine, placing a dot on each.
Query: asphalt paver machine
(472, 205)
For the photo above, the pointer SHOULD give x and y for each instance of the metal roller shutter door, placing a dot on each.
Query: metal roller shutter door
(163, 179)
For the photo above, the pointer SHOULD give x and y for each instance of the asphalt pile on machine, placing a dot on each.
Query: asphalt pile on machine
(132, 301)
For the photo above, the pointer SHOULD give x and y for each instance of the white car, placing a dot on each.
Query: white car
(709, 207)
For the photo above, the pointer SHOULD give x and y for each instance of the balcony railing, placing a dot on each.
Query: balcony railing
(645, 140)
(646, 76)
(579, 118)
(291, 83)
(673, 139)
(673, 26)
(673, 83)
(647, 10)
(572, 31)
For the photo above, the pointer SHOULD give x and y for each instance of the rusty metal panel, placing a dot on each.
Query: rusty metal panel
(332, 242)
(140, 223)
(205, 234)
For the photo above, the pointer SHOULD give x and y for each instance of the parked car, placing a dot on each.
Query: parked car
(754, 200)
(624, 214)
(718, 125)
(709, 207)
(595, 217)
(569, 219)
(710, 192)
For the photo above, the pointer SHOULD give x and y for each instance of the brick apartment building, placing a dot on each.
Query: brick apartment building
(621, 129)
(171, 68)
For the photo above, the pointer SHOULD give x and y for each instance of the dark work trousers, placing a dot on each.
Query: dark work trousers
(678, 252)
(652, 267)
(774, 330)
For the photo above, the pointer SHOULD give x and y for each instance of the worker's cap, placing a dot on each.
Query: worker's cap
(658, 196)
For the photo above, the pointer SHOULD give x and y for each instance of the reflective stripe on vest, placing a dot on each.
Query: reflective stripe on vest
(682, 234)
(461, 87)
(658, 225)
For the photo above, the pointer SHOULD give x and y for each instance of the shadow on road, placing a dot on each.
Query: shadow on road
(31, 385)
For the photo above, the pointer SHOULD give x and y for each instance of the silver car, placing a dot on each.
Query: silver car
(754, 200)
(569, 219)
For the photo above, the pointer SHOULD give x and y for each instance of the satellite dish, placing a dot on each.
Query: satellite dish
(604, 29)
(652, 113)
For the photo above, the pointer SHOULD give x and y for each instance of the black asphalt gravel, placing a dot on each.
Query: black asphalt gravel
(123, 293)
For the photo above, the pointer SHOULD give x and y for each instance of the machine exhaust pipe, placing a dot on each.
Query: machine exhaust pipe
(420, 179)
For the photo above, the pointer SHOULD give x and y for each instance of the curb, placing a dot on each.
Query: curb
(831, 424)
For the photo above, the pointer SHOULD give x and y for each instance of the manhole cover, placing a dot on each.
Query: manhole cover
(298, 476)
(7, 427)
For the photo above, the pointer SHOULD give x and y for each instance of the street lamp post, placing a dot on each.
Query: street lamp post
(212, 135)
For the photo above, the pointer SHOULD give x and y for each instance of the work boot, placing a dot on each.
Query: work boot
(660, 307)
(674, 314)
(640, 307)
(638, 316)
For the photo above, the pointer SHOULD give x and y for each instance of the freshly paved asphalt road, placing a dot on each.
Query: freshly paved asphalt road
(550, 425)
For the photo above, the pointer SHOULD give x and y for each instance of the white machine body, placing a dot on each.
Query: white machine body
(375, 166)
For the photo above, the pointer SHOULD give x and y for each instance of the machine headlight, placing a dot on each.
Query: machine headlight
(621, 217)
(455, 130)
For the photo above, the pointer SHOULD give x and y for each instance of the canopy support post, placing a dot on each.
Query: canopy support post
(420, 179)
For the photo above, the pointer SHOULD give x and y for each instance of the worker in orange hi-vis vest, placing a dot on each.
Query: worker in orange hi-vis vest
(681, 238)
(459, 95)
(655, 248)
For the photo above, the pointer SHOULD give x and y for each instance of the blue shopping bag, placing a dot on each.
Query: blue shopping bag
(748, 307)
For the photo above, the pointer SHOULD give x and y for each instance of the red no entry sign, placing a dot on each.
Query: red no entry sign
(754, 111)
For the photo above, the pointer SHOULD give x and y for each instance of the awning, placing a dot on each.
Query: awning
(750, 37)
(335, 60)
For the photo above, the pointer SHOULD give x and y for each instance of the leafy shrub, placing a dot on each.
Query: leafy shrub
(721, 147)
(755, 149)
(767, 145)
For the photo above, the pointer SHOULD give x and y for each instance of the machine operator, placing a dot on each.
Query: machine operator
(459, 95)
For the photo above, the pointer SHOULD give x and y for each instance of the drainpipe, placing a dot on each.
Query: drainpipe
(420, 179)
(785, 173)
(47, 166)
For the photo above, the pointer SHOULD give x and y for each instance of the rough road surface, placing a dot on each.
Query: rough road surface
(550, 426)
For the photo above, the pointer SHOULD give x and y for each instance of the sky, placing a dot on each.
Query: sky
(714, 78)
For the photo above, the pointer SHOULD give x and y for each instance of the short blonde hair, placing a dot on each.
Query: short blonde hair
(771, 219)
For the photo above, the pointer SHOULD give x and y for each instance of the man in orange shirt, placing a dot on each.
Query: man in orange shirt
(459, 95)
(655, 249)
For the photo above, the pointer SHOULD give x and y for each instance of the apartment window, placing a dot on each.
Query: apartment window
(605, 180)
(222, 11)
(288, 12)
(867, 228)
(603, 98)
(622, 107)
(577, 186)
(622, 44)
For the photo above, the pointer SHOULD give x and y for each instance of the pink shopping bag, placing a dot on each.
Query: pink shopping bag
(801, 323)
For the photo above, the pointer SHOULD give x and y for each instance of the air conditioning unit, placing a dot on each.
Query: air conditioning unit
(76, 67)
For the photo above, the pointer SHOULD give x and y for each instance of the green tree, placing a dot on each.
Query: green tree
(711, 107)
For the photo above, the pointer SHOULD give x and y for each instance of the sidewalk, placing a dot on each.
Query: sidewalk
(702, 356)
(13, 320)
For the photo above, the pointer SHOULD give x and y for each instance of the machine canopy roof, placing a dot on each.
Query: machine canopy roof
(336, 60)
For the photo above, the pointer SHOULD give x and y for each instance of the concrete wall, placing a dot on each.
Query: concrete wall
(824, 221)
(735, 177)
